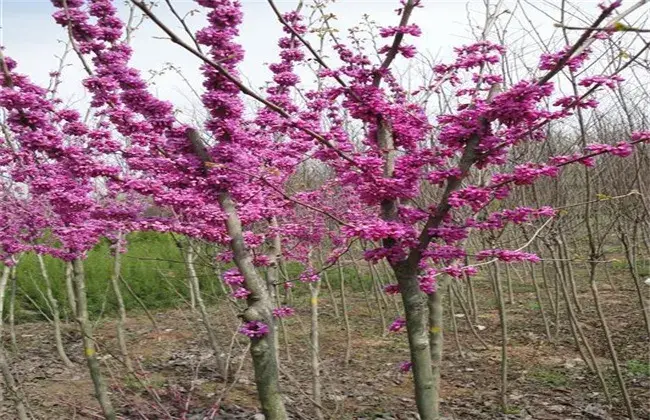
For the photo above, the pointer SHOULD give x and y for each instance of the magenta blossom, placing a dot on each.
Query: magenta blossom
(404, 367)
(391, 289)
(397, 325)
(241, 293)
(309, 276)
(254, 329)
(232, 277)
(283, 312)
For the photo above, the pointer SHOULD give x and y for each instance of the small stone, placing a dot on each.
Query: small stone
(259, 416)
(596, 411)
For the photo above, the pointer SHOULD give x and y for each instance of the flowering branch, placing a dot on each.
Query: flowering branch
(243, 88)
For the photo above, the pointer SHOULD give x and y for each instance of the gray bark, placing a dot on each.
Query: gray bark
(56, 318)
(260, 304)
(193, 279)
(121, 320)
(101, 392)
(415, 309)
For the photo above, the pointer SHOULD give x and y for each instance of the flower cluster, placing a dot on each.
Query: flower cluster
(283, 312)
(309, 276)
(241, 293)
(398, 325)
(391, 289)
(233, 277)
(254, 329)
(405, 367)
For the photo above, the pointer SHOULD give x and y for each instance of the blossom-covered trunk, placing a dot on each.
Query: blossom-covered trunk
(260, 303)
(273, 279)
(260, 308)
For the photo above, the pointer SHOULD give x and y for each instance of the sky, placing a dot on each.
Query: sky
(32, 38)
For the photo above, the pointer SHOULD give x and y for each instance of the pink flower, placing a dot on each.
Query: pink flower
(309, 276)
(397, 325)
(404, 367)
(241, 293)
(232, 277)
(254, 329)
(283, 312)
(391, 289)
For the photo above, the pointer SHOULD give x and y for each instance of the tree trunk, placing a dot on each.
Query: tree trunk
(538, 296)
(498, 289)
(379, 295)
(260, 304)
(101, 392)
(154, 324)
(346, 319)
(415, 310)
(454, 323)
(12, 310)
(436, 318)
(193, 280)
(357, 270)
(314, 290)
(15, 393)
(121, 320)
(326, 279)
(4, 279)
(609, 341)
(72, 301)
(273, 279)
(631, 263)
(56, 319)
(260, 307)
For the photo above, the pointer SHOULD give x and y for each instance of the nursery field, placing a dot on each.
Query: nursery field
(176, 376)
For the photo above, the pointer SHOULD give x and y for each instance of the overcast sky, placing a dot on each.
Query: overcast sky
(33, 39)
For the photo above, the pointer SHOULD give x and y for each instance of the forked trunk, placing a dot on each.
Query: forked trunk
(260, 307)
(260, 304)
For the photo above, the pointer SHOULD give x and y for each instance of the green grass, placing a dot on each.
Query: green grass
(154, 269)
(642, 266)
(638, 368)
(549, 377)
(533, 305)
(512, 410)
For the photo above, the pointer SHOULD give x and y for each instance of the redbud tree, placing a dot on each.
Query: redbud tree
(227, 181)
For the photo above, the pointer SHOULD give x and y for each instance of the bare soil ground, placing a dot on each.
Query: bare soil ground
(546, 380)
